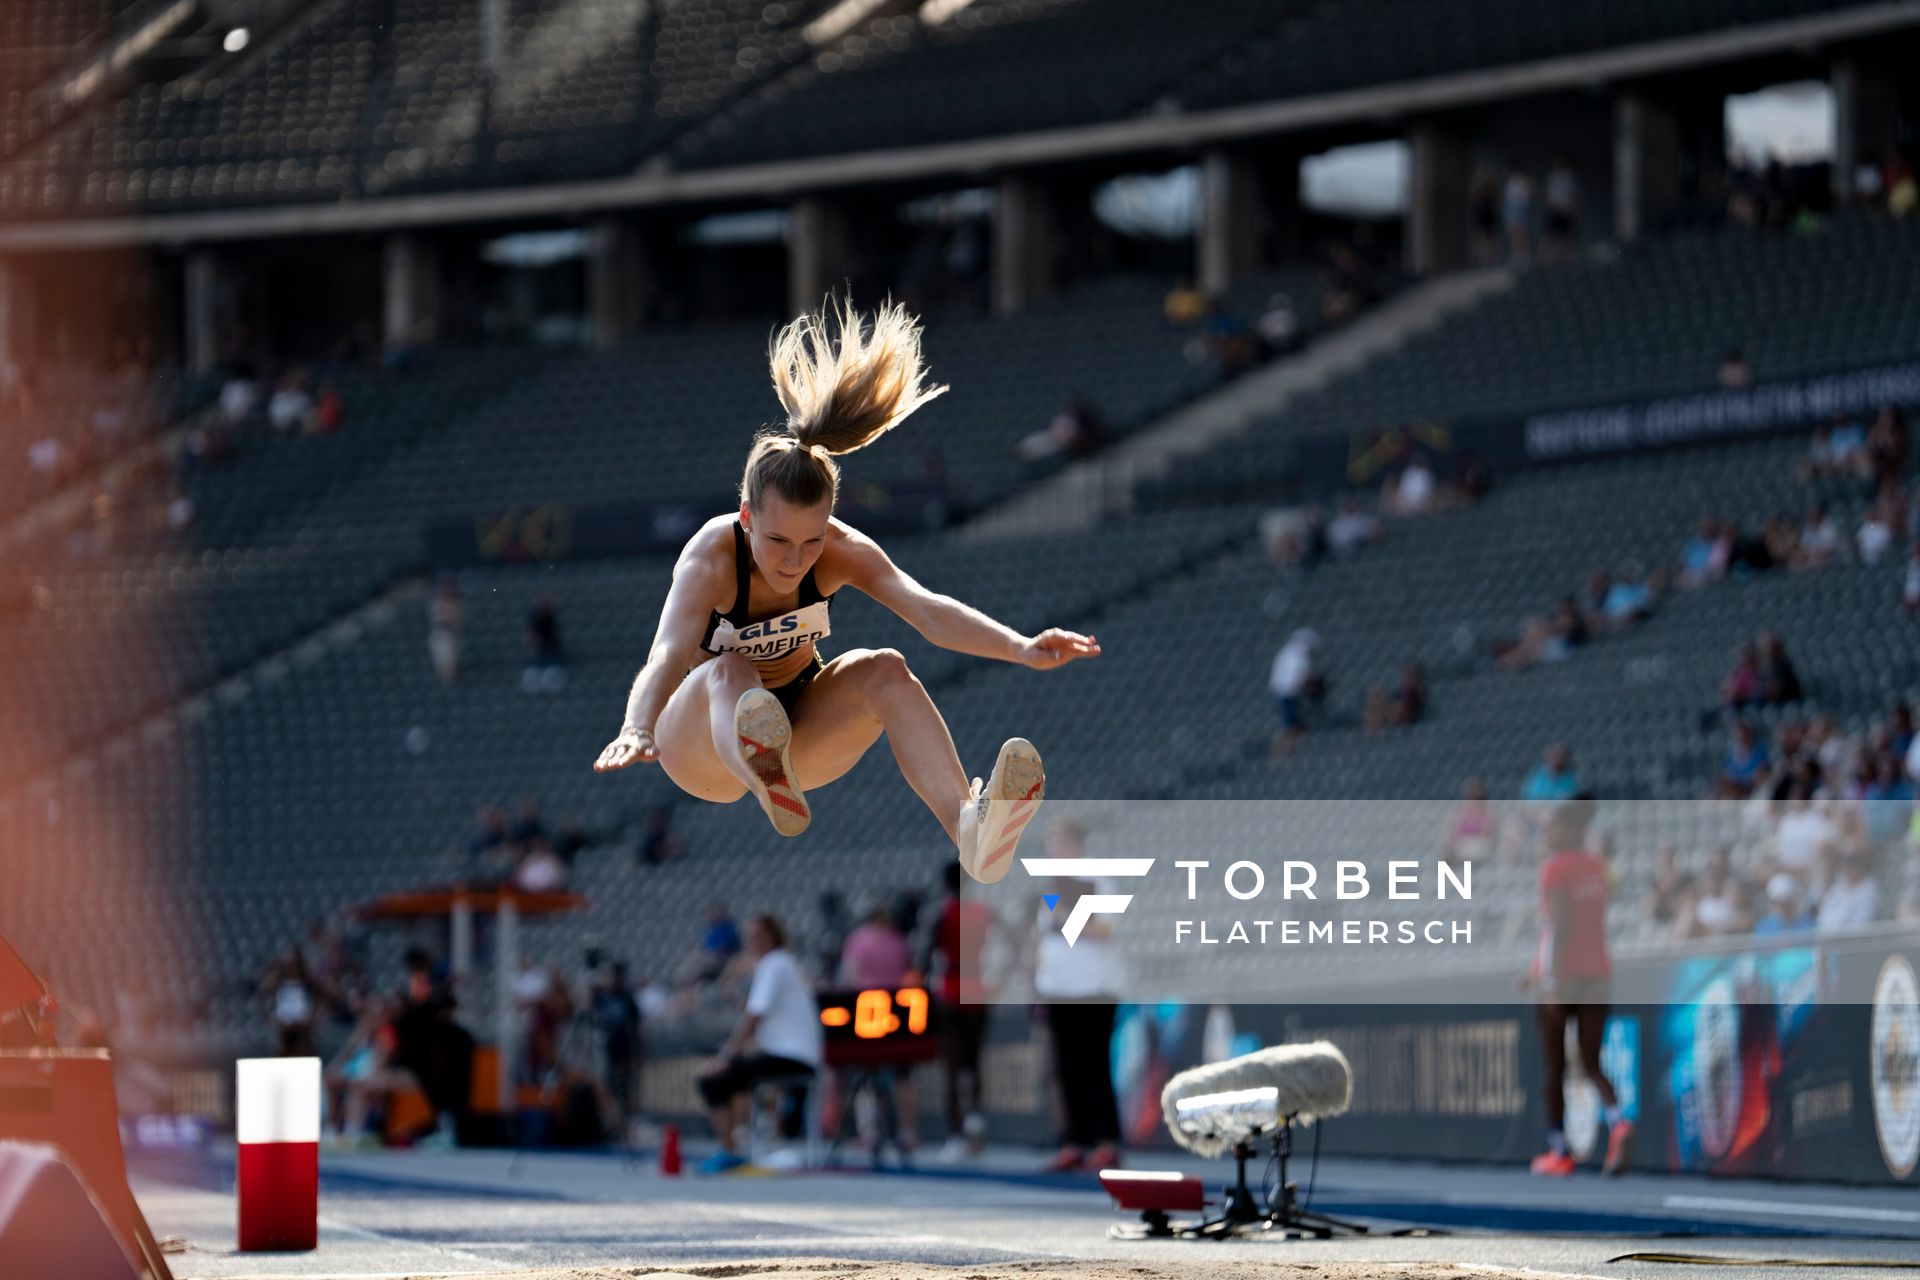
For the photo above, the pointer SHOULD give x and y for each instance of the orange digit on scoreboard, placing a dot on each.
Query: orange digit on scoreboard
(873, 1015)
(914, 1000)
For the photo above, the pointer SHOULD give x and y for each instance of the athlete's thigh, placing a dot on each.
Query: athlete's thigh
(685, 737)
(832, 724)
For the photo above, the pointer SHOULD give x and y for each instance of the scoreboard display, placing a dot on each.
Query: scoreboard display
(880, 1027)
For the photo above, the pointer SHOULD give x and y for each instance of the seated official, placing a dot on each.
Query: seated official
(782, 1018)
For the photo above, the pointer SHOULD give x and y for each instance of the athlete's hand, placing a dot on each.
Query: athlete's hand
(1055, 648)
(632, 746)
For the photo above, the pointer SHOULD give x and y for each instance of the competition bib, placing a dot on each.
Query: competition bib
(773, 638)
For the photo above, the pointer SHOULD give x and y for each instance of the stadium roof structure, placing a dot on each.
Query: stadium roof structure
(656, 182)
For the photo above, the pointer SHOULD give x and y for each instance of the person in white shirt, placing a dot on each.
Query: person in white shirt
(1803, 831)
(1853, 900)
(1820, 541)
(290, 405)
(1287, 682)
(1079, 984)
(782, 1018)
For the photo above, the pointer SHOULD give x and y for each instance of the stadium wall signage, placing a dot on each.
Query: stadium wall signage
(1360, 458)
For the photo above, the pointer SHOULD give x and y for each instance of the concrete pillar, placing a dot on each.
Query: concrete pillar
(1436, 220)
(493, 34)
(1866, 119)
(817, 243)
(204, 308)
(1231, 220)
(410, 291)
(11, 331)
(1646, 163)
(619, 280)
(1022, 243)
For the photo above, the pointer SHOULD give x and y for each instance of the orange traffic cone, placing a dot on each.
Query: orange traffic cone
(670, 1151)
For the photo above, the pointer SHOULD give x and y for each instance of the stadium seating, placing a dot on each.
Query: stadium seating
(371, 97)
(891, 87)
(1654, 321)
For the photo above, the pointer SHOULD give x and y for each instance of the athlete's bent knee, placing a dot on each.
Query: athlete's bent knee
(882, 669)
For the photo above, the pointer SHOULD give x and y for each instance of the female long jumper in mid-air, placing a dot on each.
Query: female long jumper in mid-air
(735, 697)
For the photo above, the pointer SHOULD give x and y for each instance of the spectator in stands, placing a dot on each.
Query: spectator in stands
(1723, 904)
(1224, 340)
(1352, 528)
(1734, 372)
(1409, 705)
(446, 629)
(1704, 556)
(1877, 532)
(1852, 901)
(1561, 199)
(658, 841)
(1184, 305)
(1670, 893)
(489, 851)
(1744, 764)
(1741, 689)
(1473, 827)
(1787, 910)
(1483, 203)
(328, 412)
(540, 869)
(1838, 451)
(1897, 184)
(1472, 479)
(1887, 449)
(546, 672)
(1900, 728)
(1631, 598)
(1805, 832)
(1376, 713)
(1075, 432)
(288, 409)
(529, 826)
(1412, 491)
(1516, 216)
(1779, 682)
(1279, 326)
(1292, 682)
(1292, 536)
(1554, 777)
(47, 458)
(781, 1021)
(1348, 287)
(1820, 540)
(1910, 587)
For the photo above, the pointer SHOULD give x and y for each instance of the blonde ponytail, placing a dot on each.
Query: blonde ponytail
(842, 390)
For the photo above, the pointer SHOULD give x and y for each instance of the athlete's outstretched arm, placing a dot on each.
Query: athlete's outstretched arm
(947, 622)
(676, 645)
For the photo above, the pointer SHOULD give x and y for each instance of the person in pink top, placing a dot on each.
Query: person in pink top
(876, 955)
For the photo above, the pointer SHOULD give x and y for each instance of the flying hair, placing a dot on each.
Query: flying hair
(844, 383)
